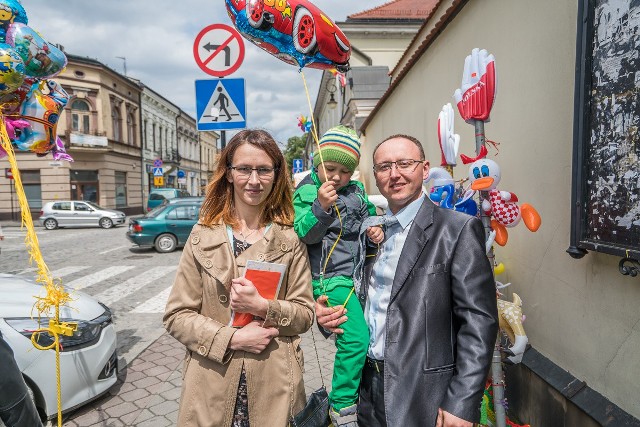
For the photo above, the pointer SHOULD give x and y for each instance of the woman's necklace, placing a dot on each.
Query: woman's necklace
(244, 243)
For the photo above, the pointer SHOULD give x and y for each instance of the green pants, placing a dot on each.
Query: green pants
(351, 345)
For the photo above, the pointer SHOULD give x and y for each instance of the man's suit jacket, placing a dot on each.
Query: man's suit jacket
(442, 320)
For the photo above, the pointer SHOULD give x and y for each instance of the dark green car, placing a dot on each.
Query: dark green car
(167, 226)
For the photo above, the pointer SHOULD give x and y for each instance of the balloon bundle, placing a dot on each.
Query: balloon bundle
(304, 123)
(30, 102)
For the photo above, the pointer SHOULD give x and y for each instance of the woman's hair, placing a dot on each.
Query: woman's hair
(218, 204)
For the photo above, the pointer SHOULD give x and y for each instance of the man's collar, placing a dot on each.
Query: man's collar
(409, 212)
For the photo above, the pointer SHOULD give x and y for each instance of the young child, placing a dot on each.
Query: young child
(333, 245)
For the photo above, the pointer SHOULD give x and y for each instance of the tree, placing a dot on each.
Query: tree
(295, 149)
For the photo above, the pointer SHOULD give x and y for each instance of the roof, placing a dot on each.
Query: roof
(398, 9)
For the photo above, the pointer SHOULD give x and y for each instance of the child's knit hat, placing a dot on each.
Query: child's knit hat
(341, 145)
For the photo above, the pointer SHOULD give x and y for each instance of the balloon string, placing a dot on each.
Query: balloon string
(314, 131)
(55, 292)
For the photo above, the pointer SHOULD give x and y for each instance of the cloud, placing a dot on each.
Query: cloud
(156, 37)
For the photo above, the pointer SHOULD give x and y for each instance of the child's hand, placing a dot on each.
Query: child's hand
(375, 234)
(327, 195)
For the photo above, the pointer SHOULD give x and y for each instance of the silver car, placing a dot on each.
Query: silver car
(69, 213)
(88, 361)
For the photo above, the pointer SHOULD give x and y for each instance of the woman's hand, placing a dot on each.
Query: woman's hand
(327, 195)
(252, 338)
(375, 234)
(246, 299)
(330, 317)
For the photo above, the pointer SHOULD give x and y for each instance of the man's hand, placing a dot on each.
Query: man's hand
(244, 298)
(375, 234)
(327, 195)
(252, 338)
(445, 419)
(330, 317)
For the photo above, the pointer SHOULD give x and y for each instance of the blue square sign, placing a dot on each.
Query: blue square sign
(220, 104)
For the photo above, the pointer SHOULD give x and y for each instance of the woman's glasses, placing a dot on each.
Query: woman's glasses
(246, 171)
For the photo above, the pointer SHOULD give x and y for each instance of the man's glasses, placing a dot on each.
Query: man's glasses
(246, 171)
(402, 166)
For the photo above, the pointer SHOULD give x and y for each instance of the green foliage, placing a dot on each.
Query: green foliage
(295, 149)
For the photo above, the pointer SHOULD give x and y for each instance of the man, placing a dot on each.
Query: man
(429, 302)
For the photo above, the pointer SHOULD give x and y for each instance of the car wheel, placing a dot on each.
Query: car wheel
(304, 31)
(106, 223)
(255, 13)
(50, 224)
(166, 243)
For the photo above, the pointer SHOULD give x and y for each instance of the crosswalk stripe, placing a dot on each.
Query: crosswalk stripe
(124, 289)
(66, 271)
(98, 276)
(155, 304)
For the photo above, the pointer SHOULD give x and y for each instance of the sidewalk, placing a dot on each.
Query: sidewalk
(148, 389)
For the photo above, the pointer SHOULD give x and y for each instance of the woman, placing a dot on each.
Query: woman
(251, 375)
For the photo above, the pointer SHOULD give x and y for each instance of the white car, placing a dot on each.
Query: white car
(73, 213)
(88, 359)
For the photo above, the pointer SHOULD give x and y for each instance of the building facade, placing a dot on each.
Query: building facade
(100, 128)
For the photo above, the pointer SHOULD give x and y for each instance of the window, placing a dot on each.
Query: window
(115, 123)
(61, 206)
(146, 137)
(80, 116)
(153, 136)
(131, 129)
(32, 187)
(81, 207)
(121, 189)
(184, 213)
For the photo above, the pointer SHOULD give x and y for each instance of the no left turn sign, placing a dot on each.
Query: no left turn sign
(218, 50)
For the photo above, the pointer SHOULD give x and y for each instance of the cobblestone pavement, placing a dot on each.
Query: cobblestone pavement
(148, 389)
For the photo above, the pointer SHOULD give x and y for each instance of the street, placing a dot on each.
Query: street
(135, 284)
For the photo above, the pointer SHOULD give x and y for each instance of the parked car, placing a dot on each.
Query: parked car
(167, 226)
(159, 195)
(69, 213)
(88, 360)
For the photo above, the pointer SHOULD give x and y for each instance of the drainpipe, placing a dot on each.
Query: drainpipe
(143, 168)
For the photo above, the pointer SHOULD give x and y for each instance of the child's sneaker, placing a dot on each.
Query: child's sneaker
(347, 417)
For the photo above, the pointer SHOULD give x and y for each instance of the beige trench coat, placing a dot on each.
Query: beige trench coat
(198, 311)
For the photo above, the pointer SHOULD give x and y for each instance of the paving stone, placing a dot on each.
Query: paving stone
(173, 394)
(121, 409)
(160, 387)
(142, 366)
(164, 408)
(144, 415)
(155, 422)
(135, 394)
(156, 370)
(146, 382)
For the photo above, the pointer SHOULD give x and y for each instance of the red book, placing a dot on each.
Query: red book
(267, 278)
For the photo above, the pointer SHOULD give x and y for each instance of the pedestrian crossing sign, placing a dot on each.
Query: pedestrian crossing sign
(220, 104)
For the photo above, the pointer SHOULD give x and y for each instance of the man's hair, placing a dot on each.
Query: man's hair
(218, 203)
(403, 136)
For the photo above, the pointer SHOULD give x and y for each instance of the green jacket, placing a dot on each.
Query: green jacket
(320, 230)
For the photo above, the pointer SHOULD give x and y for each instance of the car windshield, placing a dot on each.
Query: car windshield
(94, 206)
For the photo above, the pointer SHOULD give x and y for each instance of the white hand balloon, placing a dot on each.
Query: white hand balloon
(449, 141)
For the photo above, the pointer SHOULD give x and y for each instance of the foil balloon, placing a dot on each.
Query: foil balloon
(11, 103)
(41, 59)
(304, 123)
(58, 152)
(11, 70)
(42, 111)
(295, 31)
(10, 11)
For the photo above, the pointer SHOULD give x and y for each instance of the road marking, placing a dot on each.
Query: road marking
(155, 304)
(66, 271)
(114, 249)
(98, 276)
(124, 289)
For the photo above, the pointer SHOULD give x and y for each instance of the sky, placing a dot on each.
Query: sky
(156, 37)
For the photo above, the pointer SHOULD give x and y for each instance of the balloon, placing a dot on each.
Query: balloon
(304, 123)
(502, 205)
(42, 60)
(11, 70)
(11, 103)
(510, 318)
(59, 152)
(10, 11)
(295, 31)
(477, 94)
(42, 111)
